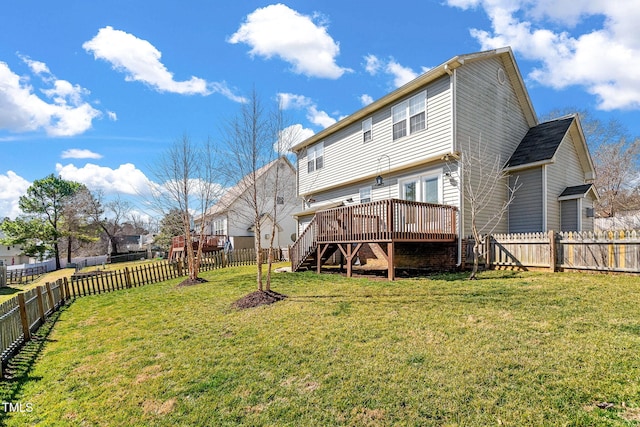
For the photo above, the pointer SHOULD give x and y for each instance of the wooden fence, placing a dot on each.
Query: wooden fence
(25, 313)
(24, 275)
(606, 251)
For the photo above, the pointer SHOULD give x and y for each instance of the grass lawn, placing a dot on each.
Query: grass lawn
(515, 349)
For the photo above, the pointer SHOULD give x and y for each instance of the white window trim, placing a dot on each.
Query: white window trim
(367, 126)
(313, 151)
(420, 188)
(406, 104)
(368, 189)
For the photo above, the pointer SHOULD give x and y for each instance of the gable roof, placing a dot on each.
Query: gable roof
(231, 195)
(578, 192)
(540, 143)
(433, 74)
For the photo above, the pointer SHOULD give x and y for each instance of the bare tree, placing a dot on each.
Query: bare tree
(187, 176)
(618, 177)
(256, 141)
(480, 190)
(246, 137)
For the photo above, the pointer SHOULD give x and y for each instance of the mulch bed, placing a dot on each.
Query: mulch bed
(258, 298)
(190, 282)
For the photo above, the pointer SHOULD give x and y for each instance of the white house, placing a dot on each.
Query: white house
(11, 254)
(233, 217)
(384, 185)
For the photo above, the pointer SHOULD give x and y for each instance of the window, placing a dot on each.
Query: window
(315, 160)
(366, 130)
(279, 200)
(424, 188)
(415, 109)
(218, 227)
(409, 190)
(365, 194)
(431, 190)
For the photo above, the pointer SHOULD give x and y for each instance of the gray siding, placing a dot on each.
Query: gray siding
(526, 211)
(487, 113)
(569, 215)
(565, 172)
(347, 157)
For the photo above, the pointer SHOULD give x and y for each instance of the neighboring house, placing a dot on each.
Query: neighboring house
(233, 217)
(12, 255)
(383, 186)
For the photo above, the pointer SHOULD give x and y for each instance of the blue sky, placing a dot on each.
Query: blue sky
(97, 91)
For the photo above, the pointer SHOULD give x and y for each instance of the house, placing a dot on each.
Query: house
(232, 218)
(12, 254)
(384, 186)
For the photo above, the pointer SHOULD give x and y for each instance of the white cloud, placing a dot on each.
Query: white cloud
(112, 116)
(21, 110)
(320, 118)
(290, 100)
(13, 186)
(401, 74)
(77, 153)
(366, 99)
(277, 30)
(126, 179)
(291, 136)
(372, 64)
(140, 61)
(224, 90)
(298, 102)
(601, 58)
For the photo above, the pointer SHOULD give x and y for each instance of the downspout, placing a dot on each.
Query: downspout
(454, 149)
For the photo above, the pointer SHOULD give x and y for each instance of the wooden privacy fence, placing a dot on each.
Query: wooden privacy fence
(588, 251)
(25, 313)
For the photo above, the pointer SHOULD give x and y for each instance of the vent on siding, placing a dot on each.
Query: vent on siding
(502, 78)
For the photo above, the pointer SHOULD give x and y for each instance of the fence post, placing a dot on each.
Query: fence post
(127, 277)
(52, 304)
(552, 251)
(67, 294)
(487, 251)
(26, 332)
(40, 303)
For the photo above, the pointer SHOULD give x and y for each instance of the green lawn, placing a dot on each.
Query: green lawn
(518, 349)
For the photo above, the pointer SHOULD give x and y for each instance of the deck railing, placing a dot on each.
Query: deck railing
(380, 221)
(387, 220)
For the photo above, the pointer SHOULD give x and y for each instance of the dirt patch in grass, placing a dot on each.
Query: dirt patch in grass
(191, 282)
(258, 298)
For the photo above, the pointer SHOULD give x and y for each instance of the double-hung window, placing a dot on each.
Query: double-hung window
(365, 194)
(315, 157)
(413, 111)
(367, 134)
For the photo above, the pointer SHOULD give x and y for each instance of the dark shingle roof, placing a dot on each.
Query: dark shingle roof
(578, 190)
(540, 143)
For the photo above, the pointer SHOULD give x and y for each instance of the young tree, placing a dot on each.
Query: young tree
(188, 174)
(255, 140)
(480, 188)
(44, 202)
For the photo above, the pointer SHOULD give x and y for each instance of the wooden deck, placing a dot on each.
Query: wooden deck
(388, 222)
(212, 243)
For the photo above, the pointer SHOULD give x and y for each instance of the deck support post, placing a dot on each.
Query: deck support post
(391, 273)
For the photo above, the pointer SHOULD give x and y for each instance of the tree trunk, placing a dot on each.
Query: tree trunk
(56, 250)
(69, 241)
